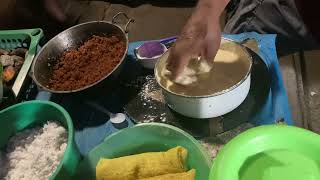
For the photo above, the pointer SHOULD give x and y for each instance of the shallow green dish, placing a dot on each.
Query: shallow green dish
(151, 137)
(32, 113)
(274, 152)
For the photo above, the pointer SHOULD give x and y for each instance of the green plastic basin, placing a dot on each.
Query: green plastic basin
(151, 137)
(274, 152)
(32, 113)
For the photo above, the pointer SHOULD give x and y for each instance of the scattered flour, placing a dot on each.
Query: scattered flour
(150, 95)
(213, 150)
(150, 90)
(34, 153)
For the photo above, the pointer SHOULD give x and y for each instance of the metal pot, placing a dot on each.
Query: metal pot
(207, 106)
(73, 38)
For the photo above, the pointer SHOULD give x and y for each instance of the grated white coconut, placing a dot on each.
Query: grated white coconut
(34, 153)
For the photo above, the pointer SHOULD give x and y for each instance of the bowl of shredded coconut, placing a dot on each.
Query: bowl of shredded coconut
(37, 142)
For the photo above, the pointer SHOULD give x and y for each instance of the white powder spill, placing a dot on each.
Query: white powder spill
(150, 99)
(34, 153)
(149, 95)
(150, 90)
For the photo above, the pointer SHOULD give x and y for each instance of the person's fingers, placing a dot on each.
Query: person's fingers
(211, 45)
(180, 67)
(188, 46)
(209, 52)
(176, 62)
(181, 53)
(172, 61)
(54, 9)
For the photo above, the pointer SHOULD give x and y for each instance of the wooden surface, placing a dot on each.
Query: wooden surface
(292, 79)
(311, 82)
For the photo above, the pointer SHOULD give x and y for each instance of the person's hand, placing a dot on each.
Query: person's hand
(54, 9)
(200, 37)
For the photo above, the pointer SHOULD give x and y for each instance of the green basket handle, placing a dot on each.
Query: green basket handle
(35, 35)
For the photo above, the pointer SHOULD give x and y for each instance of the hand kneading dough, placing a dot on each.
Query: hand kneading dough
(142, 165)
(188, 76)
(197, 67)
(190, 175)
(200, 78)
(191, 71)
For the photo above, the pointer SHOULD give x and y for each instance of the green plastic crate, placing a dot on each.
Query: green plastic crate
(26, 38)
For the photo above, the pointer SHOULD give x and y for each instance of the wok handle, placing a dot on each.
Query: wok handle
(129, 20)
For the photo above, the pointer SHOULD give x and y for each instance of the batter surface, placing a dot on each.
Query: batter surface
(230, 66)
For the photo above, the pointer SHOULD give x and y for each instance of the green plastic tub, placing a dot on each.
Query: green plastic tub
(151, 137)
(273, 152)
(32, 113)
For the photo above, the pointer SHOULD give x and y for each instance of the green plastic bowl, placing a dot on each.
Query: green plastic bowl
(151, 137)
(32, 113)
(274, 152)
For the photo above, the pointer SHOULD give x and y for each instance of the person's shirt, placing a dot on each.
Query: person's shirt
(308, 10)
